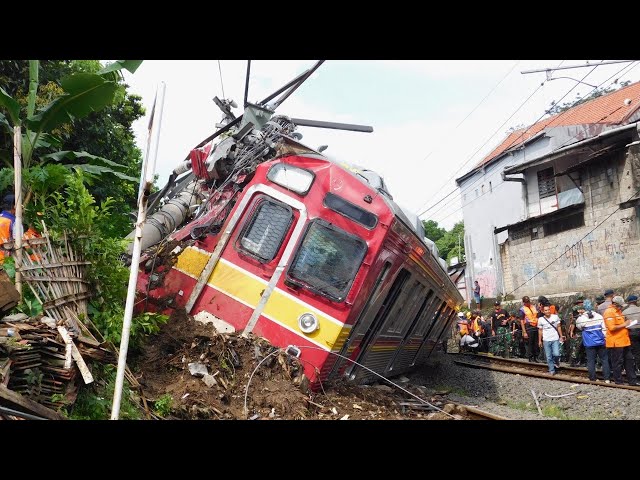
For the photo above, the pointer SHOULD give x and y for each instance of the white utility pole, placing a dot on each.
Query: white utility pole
(146, 182)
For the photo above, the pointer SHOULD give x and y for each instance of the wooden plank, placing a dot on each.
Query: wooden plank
(47, 266)
(66, 299)
(29, 404)
(84, 370)
(55, 279)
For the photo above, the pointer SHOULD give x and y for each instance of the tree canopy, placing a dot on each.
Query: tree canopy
(450, 243)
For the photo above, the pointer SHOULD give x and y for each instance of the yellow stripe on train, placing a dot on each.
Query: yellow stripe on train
(247, 288)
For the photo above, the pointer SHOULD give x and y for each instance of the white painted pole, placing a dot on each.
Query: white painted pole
(17, 224)
(146, 181)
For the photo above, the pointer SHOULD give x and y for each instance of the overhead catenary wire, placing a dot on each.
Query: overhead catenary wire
(469, 114)
(487, 141)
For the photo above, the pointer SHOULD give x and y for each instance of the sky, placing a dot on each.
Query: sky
(432, 120)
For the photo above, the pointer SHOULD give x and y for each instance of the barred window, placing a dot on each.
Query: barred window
(546, 183)
(262, 236)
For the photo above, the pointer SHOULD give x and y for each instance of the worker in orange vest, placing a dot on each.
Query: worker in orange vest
(618, 342)
(528, 315)
(7, 219)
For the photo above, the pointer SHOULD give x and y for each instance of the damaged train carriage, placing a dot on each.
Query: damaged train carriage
(316, 257)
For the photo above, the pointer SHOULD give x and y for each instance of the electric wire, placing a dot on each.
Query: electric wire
(479, 180)
(467, 116)
(487, 141)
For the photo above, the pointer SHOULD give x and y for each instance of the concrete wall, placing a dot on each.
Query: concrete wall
(607, 257)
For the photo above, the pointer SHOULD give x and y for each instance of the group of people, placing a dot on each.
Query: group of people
(608, 331)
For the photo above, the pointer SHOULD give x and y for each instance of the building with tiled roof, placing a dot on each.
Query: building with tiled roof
(530, 189)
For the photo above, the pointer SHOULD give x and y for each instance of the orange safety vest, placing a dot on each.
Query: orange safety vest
(531, 314)
(31, 233)
(463, 327)
(5, 236)
(619, 338)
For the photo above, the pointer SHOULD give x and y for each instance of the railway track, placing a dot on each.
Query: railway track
(523, 367)
(460, 411)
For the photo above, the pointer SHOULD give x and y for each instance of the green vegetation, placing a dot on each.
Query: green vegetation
(94, 401)
(450, 243)
(163, 405)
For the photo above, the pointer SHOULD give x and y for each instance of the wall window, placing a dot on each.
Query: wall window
(567, 223)
(546, 183)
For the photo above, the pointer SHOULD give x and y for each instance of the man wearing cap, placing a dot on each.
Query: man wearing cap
(602, 307)
(529, 321)
(499, 331)
(592, 326)
(632, 312)
(618, 342)
(7, 219)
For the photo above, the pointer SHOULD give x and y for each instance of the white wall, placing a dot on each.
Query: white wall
(500, 205)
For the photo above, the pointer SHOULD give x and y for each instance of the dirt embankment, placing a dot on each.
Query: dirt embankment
(194, 372)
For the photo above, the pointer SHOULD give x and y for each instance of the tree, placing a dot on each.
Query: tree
(432, 231)
(450, 243)
(105, 131)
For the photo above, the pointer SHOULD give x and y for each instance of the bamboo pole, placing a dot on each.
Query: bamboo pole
(17, 224)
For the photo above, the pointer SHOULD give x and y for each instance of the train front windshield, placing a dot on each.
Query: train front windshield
(327, 260)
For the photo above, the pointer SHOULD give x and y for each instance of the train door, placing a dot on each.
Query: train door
(366, 317)
(409, 339)
(390, 303)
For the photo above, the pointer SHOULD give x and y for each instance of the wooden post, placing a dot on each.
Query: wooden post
(17, 225)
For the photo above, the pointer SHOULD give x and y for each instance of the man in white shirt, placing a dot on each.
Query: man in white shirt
(593, 337)
(550, 333)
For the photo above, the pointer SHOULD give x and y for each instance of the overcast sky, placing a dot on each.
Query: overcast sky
(432, 120)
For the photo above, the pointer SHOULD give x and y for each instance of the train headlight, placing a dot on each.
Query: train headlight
(308, 323)
(292, 178)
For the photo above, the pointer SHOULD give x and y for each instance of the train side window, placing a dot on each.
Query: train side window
(262, 236)
(399, 321)
(427, 320)
(327, 260)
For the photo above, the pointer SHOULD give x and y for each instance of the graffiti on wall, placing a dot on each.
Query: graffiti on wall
(574, 255)
(614, 241)
(487, 280)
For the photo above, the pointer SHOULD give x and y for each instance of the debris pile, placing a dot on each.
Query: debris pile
(40, 357)
(195, 372)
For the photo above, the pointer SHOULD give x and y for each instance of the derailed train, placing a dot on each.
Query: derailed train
(276, 239)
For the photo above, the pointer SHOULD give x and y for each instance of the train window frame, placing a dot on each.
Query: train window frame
(398, 324)
(273, 170)
(251, 217)
(351, 205)
(290, 279)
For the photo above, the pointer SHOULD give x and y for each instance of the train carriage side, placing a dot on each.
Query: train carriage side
(407, 311)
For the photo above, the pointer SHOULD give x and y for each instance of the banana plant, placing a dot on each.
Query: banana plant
(83, 93)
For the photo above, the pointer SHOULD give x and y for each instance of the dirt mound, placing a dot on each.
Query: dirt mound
(191, 371)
